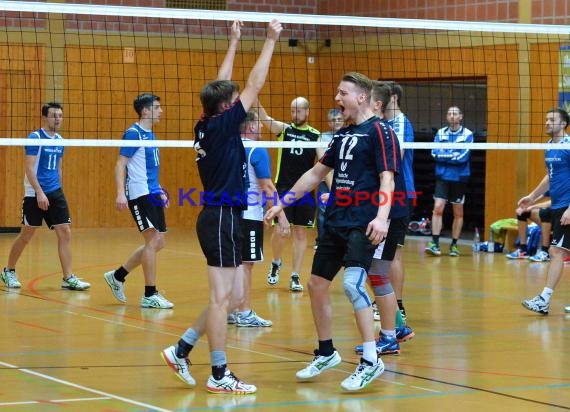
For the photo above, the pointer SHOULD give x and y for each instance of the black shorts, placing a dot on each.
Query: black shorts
(348, 247)
(302, 211)
(560, 233)
(56, 214)
(396, 237)
(220, 235)
(453, 192)
(147, 214)
(545, 214)
(252, 250)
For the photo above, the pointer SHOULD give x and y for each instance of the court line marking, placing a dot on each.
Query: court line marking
(85, 388)
(56, 401)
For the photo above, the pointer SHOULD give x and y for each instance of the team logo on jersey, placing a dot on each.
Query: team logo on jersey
(343, 166)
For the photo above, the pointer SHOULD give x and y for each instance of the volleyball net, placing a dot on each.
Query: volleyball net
(96, 59)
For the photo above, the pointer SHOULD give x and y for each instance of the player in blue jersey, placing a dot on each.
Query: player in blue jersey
(557, 182)
(222, 166)
(405, 132)
(292, 163)
(452, 173)
(142, 194)
(259, 189)
(364, 157)
(44, 200)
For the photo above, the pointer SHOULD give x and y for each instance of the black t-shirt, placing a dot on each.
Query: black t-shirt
(221, 156)
(358, 154)
(293, 162)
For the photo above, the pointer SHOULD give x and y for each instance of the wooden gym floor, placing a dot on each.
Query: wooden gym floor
(475, 348)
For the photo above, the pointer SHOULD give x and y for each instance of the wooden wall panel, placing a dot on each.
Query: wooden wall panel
(20, 94)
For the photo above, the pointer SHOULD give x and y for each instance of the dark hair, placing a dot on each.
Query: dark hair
(143, 101)
(50, 105)
(563, 115)
(360, 80)
(215, 93)
(381, 91)
(395, 89)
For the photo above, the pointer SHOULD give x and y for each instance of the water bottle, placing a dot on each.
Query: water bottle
(491, 242)
(476, 241)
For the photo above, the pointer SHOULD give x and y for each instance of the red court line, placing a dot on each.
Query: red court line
(32, 325)
(31, 285)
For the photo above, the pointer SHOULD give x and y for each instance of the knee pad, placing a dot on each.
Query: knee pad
(379, 279)
(523, 216)
(354, 288)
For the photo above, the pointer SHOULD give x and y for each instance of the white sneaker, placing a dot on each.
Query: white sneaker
(541, 256)
(73, 283)
(295, 284)
(117, 287)
(567, 309)
(273, 274)
(537, 304)
(179, 365)
(253, 320)
(10, 278)
(318, 365)
(156, 301)
(365, 373)
(229, 384)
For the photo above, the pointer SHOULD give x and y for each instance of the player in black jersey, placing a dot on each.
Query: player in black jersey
(292, 163)
(364, 157)
(222, 165)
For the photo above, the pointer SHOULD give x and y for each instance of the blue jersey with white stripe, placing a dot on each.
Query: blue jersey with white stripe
(405, 133)
(143, 166)
(452, 165)
(46, 166)
(558, 169)
(258, 167)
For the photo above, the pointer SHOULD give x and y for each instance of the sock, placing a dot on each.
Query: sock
(245, 313)
(523, 248)
(545, 248)
(546, 294)
(149, 291)
(326, 347)
(219, 363)
(294, 274)
(453, 242)
(183, 349)
(436, 239)
(401, 306)
(399, 319)
(388, 333)
(276, 262)
(369, 352)
(218, 371)
(190, 337)
(121, 274)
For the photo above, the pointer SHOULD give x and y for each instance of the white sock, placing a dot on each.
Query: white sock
(369, 352)
(389, 333)
(546, 294)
